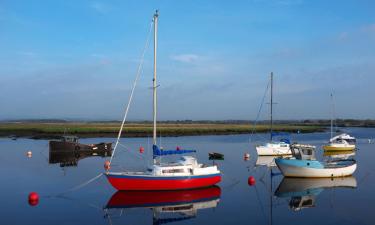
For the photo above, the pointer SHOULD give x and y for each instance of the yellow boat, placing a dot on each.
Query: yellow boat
(338, 153)
(342, 142)
(338, 148)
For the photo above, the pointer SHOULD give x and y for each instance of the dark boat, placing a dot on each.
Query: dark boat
(71, 144)
(215, 156)
(71, 158)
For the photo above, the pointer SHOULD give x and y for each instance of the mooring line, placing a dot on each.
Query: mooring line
(76, 187)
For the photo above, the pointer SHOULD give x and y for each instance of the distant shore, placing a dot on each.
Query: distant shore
(53, 130)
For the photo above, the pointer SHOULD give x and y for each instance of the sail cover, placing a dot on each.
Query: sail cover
(158, 152)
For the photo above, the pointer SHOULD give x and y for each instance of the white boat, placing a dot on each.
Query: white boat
(342, 142)
(304, 164)
(186, 173)
(273, 148)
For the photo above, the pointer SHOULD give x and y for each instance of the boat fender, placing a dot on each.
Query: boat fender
(107, 165)
(77, 147)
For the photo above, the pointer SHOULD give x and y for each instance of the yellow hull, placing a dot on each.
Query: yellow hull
(335, 148)
(336, 152)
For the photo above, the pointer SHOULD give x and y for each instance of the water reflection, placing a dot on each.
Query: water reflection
(166, 206)
(268, 161)
(339, 155)
(303, 191)
(69, 157)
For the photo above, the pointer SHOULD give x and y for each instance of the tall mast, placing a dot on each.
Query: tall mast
(332, 112)
(271, 105)
(154, 80)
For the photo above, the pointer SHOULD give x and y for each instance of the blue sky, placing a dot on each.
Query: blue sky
(77, 59)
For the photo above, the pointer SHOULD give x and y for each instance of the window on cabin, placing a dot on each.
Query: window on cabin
(173, 171)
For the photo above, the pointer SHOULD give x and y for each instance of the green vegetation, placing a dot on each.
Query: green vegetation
(144, 129)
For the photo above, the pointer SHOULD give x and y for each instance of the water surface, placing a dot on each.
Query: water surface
(271, 200)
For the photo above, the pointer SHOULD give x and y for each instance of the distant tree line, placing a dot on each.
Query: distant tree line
(308, 122)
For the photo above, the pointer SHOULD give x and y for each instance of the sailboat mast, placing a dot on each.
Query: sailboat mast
(332, 112)
(154, 80)
(271, 129)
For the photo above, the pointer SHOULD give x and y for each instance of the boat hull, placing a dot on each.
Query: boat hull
(338, 148)
(289, 170)
(123, 181)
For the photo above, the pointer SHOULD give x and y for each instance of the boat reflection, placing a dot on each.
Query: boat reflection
(343, 155)
(303, 191)
(268, 161)
(67, 158)
(167, 206)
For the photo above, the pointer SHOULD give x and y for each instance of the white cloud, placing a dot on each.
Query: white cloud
(100, 7)
(185, 58)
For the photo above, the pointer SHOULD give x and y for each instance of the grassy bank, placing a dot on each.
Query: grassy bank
(52, 130)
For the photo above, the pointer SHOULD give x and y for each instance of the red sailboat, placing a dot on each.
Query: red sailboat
(186, 173)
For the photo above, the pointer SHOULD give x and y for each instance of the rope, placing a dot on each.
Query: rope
(260, 109)
(79, 186)
(139, 71)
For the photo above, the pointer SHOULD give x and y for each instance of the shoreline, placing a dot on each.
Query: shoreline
(93, 130)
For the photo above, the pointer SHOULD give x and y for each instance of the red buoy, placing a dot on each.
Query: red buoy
(107, 165)
(33, 199)
(251, 181)
(178, 148)
(141, 149)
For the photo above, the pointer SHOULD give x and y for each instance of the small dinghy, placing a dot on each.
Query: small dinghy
(304, 164)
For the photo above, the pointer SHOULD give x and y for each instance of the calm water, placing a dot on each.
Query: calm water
(341, 201)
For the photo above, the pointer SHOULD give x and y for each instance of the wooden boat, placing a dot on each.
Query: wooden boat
(186, 173)
(304, 164)
(71, 144)
(271, 148)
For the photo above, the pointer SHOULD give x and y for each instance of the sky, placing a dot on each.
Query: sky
(77, 59)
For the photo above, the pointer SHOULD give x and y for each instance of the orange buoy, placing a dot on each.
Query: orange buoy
(251, 181)
(107, 165)
(141, 149)
(29, 154)
(178, 148)
(33, 199)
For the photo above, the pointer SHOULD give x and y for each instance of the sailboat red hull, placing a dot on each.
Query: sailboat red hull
(136, 182)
